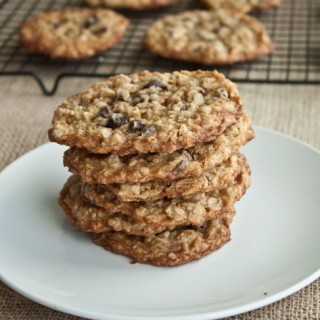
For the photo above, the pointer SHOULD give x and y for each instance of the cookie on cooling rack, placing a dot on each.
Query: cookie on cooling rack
(170, 248)
(209, 37)
(110, 168)
(266, 4)
(169, 213)
(148, 112)
(130, 4)
(242, 5)
(72, 33)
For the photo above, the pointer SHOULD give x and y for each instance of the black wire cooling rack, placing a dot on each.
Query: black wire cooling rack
(294, 28)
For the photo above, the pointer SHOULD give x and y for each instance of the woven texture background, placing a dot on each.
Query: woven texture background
(25, 117)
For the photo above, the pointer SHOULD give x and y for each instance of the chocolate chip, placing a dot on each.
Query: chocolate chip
(155, 83)
(100, 30)
(104, 112)
(90, 21)
(180, 166)
(148, 129)
(185, 106)
(120, 97)
(148, 159)
(56, 24)
(116, 120)
(222, 93)
(137, 98)
(203, 227)
(135, 126)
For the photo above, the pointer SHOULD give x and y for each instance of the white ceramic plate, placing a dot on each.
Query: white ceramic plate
(275, 247)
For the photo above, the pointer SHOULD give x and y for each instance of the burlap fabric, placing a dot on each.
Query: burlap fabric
(25, 116)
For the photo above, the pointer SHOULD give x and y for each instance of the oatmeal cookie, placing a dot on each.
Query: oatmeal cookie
(209, 37)
(148, 112)
(170, 248)
(108, 169)
(130, 4)
(242, 5)
(209, 180)
(266, 4)
(169, 213)
(72, 33)
(90, 218)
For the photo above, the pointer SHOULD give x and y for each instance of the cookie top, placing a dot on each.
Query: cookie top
(209, 37)
(108, 169)
(242, 5)
(90, 218)
(209, 180)
(169, 213)
(130, 4)
(72, 33)
(148, 112)
(170, 248)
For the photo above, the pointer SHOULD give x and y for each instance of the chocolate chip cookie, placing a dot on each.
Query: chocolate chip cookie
(90, 218)
(266, 4)
(170, 248)
(150, 217)
(111, 168)
(72, 33)
(148, 112)
(209, 180)
(242, 5)
(209, 37)
(169, 213)
(130, 4)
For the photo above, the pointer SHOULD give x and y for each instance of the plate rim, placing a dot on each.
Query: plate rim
(203, 316)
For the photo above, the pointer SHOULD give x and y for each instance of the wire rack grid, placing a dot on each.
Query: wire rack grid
(293, 27)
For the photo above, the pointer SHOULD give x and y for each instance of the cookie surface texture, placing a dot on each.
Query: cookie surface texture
(72, 33)
(169, 213)
(209, 37)
(130, 4)
(242, 5)
(148, 112)
(90, 218)
(170, 248)
(112, 168)
(209, 180)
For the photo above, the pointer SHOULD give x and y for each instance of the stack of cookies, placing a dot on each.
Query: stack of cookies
(155, 163)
